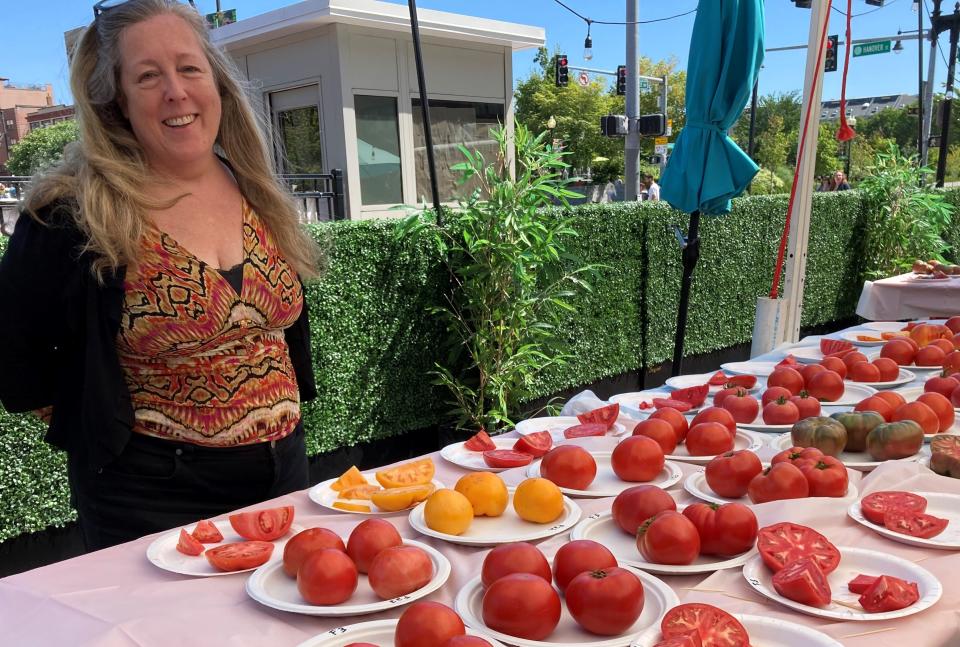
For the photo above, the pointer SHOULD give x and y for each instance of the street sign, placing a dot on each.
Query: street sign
(221, 18)
(660, 141)
(643, 85)
(660, 149)
(669, 127)
(583, 79)
(876, 47)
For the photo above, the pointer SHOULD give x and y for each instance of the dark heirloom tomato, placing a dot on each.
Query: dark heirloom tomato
(716, 627)
(427, 624)
(826, 434)
(368, 539)
(778, 482)
(605, 602)
(305, 542)
(888, 593)
(725, 530)
(859, 424)
(578, 556)
(399, 570)
(521, 605)
(669, 538)
(239, 556)
(826, 476)
(875, 505)
(785, 542)
(730, 473)
(516, 557)
(636, 504)
(893, 440)
(803, 581)
(327, 577)
(263, 525)
(915, 524)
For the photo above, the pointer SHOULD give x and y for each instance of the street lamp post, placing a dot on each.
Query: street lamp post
(852, 122)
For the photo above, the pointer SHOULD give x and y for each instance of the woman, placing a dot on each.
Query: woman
(840, 181)
(156, 308)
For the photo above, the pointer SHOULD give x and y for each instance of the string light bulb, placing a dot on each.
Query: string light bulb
(588, 44)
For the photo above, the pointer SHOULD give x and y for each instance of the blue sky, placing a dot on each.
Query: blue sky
(32, 50)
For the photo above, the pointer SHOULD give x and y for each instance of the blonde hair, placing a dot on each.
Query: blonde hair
(103, 173)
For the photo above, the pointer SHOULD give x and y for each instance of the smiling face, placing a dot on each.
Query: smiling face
(168, 93)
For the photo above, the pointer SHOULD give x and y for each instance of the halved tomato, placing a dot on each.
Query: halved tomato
(506, 458)
(689, 639)
(874, 506)
(888, 593)
(718, 379)
(401, 498)
(363, 492)
(715, 626)
(587, 429)
(913, 523)
(480, 442)
(263, 525)
(830, 346)
(785, 542)
(536, 444)
(606, 415)
(789, 360)
(207, 533)
(349, 478)
(188, 544)
(415, 472)
(745, 381)
(240, 556)
(679, 405)
(695, 395)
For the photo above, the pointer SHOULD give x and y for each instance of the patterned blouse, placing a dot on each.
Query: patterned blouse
(203, 363)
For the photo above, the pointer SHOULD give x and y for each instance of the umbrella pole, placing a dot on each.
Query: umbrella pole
(425, 108)
(690, 254)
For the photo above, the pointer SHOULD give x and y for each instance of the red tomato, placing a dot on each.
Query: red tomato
(709, 439)
(915, 524)
(889, 369)
(521, 605)
(239, 556)
(480, 442)
(636, 459)
(327, 577)
(864, 372)
(725, 530)
(899, 351)
(605, 602)
(826, 386)
(636, 504)
(659, 431)
(888, 593)
(807, 405)
(921, 414)
(953, 323)
(206, 532)
(715, 627)
(569, 466)
(585, 429)
(730, 473)
(930, 356)
(826, 476)
(875, 505)
(942, 407)
(876, 404)
(834, 364)
(781, 412)
(778, 482)
(263, 525)
(852, 359)
(466, 641)
(952, 361)
(730, 390)
(861, 583)
(360, 645)
(536, 444)
(942, 384)
(669, 538)
(955, 397)
(788, 378)
(506, 458)
(399, 570)
(792, 454)
(679, 405)
(427, 624)
(678, 421)
(695, 395)
(516, 557)
(717, 379)
(810, 370)
(305, 542)
(803, 581)
(578, 556)
(605, 415)
(785, 542)
(773, 394)
(715, 414)
(893, 398)
(743, 407)
(832, 346)
(368, 539)
(188, 544)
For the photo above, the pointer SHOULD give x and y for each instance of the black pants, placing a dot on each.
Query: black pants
(159, 484)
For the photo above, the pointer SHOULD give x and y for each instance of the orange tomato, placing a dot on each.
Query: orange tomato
(416, 472)
(358, 492)
(401, 498)
(923, 334)
(348, 479)
(921, 414)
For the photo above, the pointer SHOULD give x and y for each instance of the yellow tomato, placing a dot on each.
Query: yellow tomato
(416, 472)
(448, 511)
(486, 492)
(400, 498)
(538, 500)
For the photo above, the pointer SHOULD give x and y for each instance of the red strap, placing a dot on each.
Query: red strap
(845, 132)
(775, 289)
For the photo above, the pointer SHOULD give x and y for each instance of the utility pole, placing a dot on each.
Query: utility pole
(631, 159)
(942, 23)
(927, 99)
(919, 81)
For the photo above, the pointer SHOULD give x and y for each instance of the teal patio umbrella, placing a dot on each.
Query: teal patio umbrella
(707, 168)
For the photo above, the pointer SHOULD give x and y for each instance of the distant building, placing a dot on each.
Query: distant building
(16, 104)
(865, 107)
(49, 116)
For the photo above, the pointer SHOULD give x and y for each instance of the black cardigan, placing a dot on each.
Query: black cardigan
(58, 330)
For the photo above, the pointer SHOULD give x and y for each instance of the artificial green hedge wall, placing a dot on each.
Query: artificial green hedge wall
(373, 344)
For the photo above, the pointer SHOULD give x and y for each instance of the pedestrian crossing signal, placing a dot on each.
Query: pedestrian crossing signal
(621, 80)
(830, 57)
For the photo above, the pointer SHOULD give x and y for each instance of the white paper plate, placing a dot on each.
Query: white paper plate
(696, 484)
(763, 631)
(852, 394)
(742, 440)
(378, 632)
(163, 553)
(885, 326)
(760, 369)
(607, 483)
(457, 454)
(658, 598)
(507, 528)
(853, 562)
(851, 336)
(322, 495)
(944, 506)
(602, 528)
(271, 587)
(557, 424)
(686, 381)
(905, 377)
(813, 355)
(860, 461)
(630, 402)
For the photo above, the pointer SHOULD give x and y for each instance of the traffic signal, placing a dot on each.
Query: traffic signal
(561, 75)
(830, 60)
(802, 4)
(621, 80)
(875, 3)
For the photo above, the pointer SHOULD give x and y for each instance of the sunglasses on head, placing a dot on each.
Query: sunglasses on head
(106, 5)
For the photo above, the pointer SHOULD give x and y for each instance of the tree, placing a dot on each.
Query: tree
(41, 147)
(894, 124)
(773, 145)
(827, 149)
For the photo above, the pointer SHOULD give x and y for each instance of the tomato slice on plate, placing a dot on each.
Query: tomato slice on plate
(789, 360)
(480, 442)
(889, 593)
(689, 639)
(536, 444)
(188, 544)
(913, 523)
(587, 429)
(718, 379)
(716, 627)
(207, 533)
(695, 395)
(744, 381)
(240, 556)
(830, 346)
(861, 583)
(679, 405)
(263, 525)
(506, 458)
(785, 542)
(874, 506)
(802, 581)
(606, 415)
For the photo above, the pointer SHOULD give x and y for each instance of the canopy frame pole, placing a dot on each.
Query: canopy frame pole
(690, 254)
(425, 108)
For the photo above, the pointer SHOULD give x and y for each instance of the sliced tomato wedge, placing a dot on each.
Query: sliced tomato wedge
(874, 506)
(506, 458)
(786, 542)
(718, 379)
(679, 405)
(207, 533)
(889, 593)
(744, 381)
(789, 360)
(695, 395)
(840, 353)
(830, 346)
(861, 583)
(689, 639)
(587, 429)
(802, 581)
(913, 523)
(263, 525)
(536, 444)
(240, 556)
(480, 442)
(606, 415)
(716, 627)
(188, 544)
